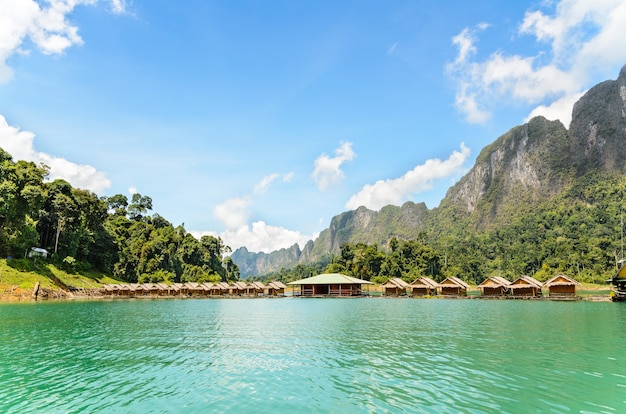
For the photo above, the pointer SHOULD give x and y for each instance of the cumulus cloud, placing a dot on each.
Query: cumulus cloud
(234, 213)
(397, 191)
(576, 40)
(47, 27)
(260, 237)
(328, 169)
(20, 145)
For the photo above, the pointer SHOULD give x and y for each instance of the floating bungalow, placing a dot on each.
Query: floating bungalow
(394, 287)
(189, 289)
(238, 288)
(256, 289)
(423, 286)
(453, 286)
(562, 286)
(329, 284)
(276, 289)
(525, 286)
(494, 286)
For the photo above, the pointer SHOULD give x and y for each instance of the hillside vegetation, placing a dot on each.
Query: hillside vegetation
(540, 200)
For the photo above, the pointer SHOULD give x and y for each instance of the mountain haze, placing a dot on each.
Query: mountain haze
(528, 165)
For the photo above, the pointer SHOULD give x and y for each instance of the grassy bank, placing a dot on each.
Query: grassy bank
(18, 278)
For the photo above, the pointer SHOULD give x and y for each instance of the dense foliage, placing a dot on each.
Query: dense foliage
(110, 234)
(577, 233)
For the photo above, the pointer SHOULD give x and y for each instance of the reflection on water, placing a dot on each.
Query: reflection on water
(312, 355)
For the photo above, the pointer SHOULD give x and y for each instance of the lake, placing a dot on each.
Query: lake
(367, 355)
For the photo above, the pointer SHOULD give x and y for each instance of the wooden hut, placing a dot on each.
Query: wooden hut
(256, 288)
(330, 284)
(394, 287)
(221, 288)
(561, 286)
(423, 286)
(239, 288)
(110, 289)
(276, 288)
(494, 286)
(453, 286)
(525, 286)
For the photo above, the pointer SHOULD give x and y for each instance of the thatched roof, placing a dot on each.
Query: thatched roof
(561, 280)
(223, 285)
(276, 285)
(257, 285)
(525, 282)
(424, 281)
(395, 282)
(494, 282)
(239, 285)
(454, 281)
(330, 279)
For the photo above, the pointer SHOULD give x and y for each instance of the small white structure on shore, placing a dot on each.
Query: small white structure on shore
(38, 252)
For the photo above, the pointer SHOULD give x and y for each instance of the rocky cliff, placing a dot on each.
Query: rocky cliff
(529, 163)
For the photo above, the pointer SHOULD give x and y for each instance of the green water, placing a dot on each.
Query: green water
(313, 355)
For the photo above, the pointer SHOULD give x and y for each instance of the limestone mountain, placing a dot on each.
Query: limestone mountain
(529, 164)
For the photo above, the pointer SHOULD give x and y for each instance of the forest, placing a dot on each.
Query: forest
(576, 233)
(113, 235)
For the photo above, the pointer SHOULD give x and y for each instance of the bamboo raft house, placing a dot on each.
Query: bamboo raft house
(329, 285)
(394, 287)
(561, 286)
(256, 289)
(525, 287)
(494, 286)
(276, 289)
(423, 286)
(453, 286)
(188, 289)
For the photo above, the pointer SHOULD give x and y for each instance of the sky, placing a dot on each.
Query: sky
(259, 121)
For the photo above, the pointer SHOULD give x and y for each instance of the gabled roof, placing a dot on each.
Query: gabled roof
(561, 280)
(276, 285)
(330, 279)
(240, 285)
(495, 281)
(525, 281)
(424, 281)
(454, 281)
(395, 282)
(257, 285)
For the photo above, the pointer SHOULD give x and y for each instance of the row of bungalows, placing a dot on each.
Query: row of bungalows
(193, 289)
(559, 286)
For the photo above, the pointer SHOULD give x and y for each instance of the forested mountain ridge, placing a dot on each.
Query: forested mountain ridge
(524, 178)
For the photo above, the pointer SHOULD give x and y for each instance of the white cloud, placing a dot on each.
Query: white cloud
(132, 190)
(328, 170)
(560, 109)
(234, 212)
(421, 178)
(577, 41)
(260, 237)
(263, 185)
(47, 27)
(20, 145)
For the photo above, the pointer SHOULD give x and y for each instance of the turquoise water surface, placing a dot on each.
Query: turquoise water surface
(293, 355)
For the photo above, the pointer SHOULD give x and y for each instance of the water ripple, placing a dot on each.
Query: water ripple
(312, 356)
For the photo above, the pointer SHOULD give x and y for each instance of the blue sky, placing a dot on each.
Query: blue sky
(258, 121)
